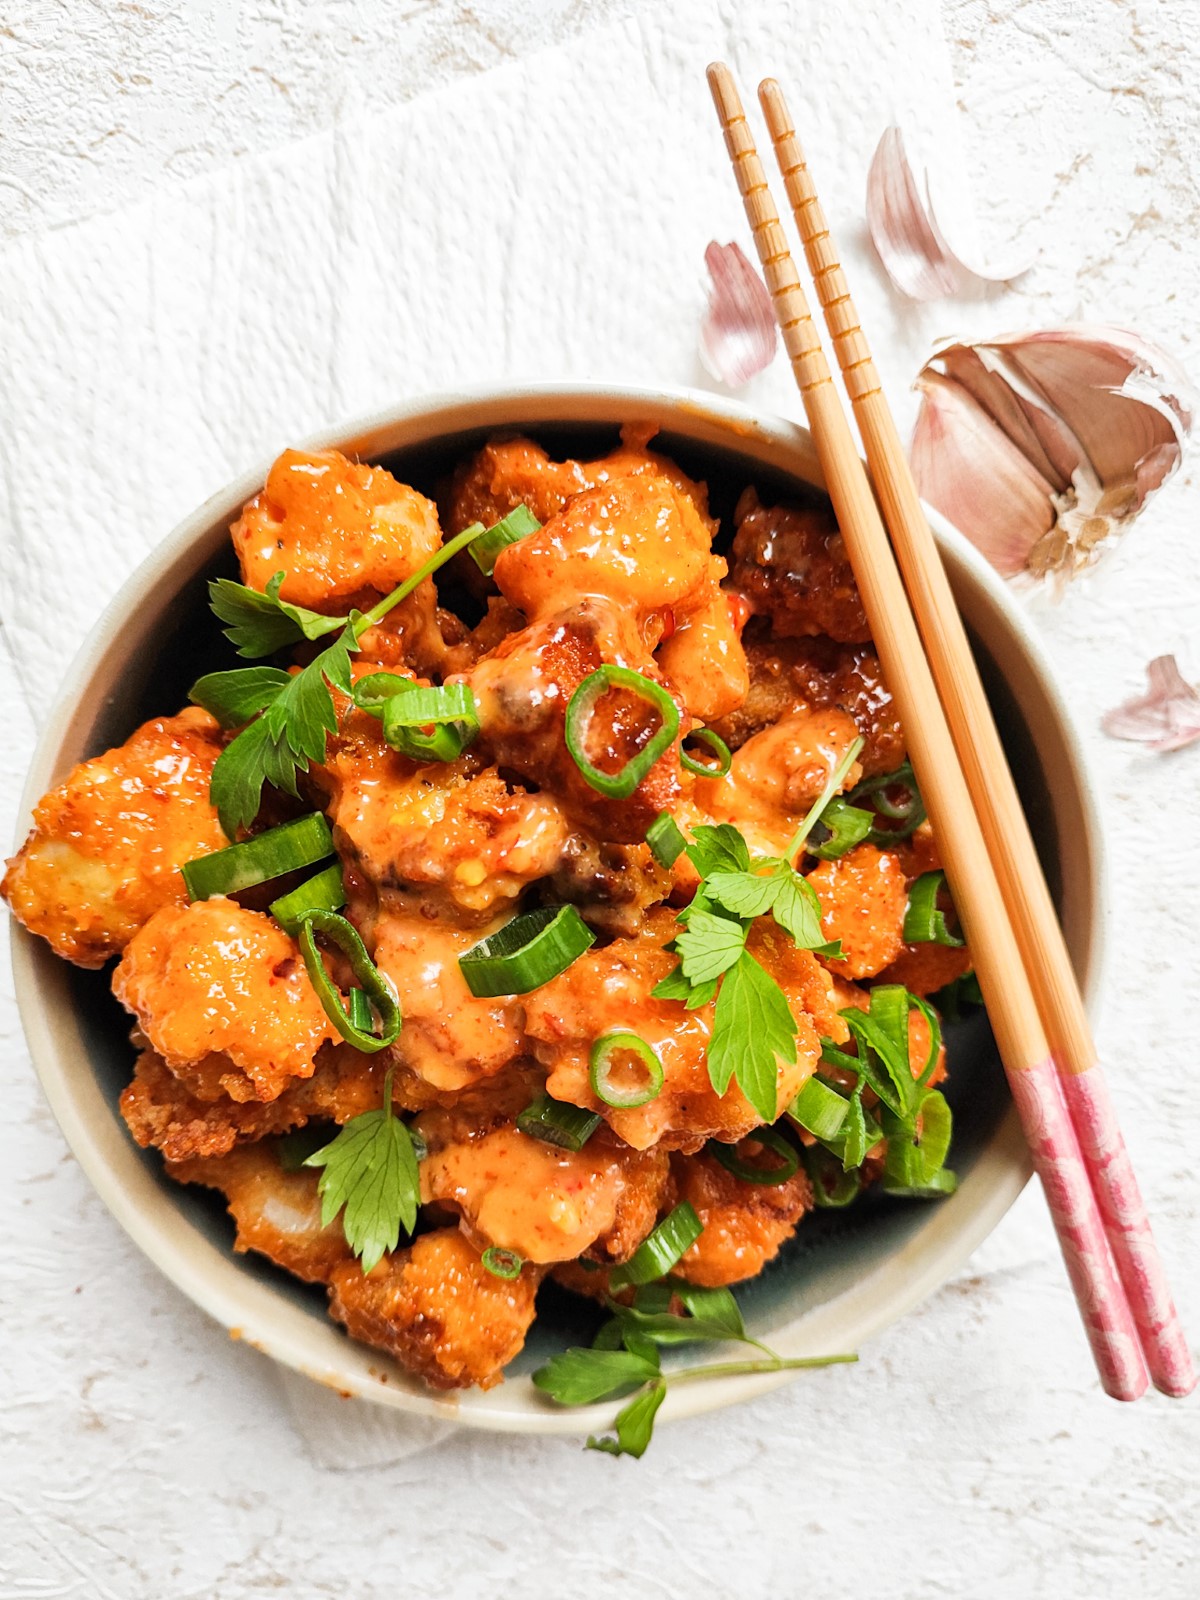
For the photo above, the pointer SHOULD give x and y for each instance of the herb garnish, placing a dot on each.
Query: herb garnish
(370, 1175)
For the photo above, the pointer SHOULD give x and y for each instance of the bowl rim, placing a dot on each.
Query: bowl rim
(926, 1259)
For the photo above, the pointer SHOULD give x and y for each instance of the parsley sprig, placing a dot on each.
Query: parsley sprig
(753, 1025)
(294, 711)
(371, 1175)
(626, 1358)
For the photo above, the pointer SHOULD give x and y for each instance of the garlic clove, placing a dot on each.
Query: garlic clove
(737, 333)
(1166, 717)
(971, 472)
(899, 225)
(911, 233)
(1098, 415)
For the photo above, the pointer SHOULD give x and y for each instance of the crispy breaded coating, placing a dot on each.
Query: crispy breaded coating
(863, 899)
(438, 1310)
(107, 844)
(702, 657)
(926, 968)
(791, 564)
(546, 1203)
(790, 675)
(777, 775)
(277, 1213)
(745, 1224)
(612, 884)
(565, 1017)
(215, 979)
(450, 1039)
(522, 690)
(452, 829)
(196, 1118)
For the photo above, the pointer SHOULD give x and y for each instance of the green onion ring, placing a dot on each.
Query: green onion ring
(909, 814)
(718, 747)
(502, 1263)
(519, 522)
(434, 724)
(666, 840)
(324, 892)
(377, 985)
(819, 1110)
(727, 1155)
(258, 860)
(557, 1122)
(619, 785)
(526, 952)
(660, 1250)
(924, 923)
(600, 1064)
(833, 1187)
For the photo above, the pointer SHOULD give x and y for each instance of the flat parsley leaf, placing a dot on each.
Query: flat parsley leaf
(719, 849)
(709, 946)
(772, 885)
(260, 624)
(370, 1175)
(578, 1377)
(234, 697)
(753, 1029)
(634, 1424)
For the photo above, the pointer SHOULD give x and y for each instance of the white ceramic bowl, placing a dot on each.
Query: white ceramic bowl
(847, 1274)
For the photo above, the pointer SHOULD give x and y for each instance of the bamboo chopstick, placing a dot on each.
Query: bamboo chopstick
(990, 781)
(1011, 1007)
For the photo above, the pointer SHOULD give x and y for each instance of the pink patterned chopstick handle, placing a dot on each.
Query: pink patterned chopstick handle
(1059, 1164)
(1123, 1212)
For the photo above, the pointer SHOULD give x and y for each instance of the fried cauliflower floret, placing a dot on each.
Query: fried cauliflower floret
(522, 691)
(450, 1039)
(777, 775)
(926, 968)
(612, 884)
(745, 1224)
(508, 473)
(213, 978)
(863, 899)
(567, 1015)
(277, 1213)
(703, 659)
(107, 844)
(791, 564)
(344, 534)
(453, 829)
(197, 1118)
(437, 1309)
(791, 675)
(546, 1203)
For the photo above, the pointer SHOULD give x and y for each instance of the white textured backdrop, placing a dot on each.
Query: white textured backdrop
(970, 1454)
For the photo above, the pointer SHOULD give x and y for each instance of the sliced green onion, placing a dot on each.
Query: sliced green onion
(942, 1183)
(519, 522)
(377, 985)
(923, 922)
(915, 1164)
(833, 1187)
(727, 1155)
(935, 1037)
(502, 1263)
(526, 952)
(603, 1063)
(372, 692)
(819, 1110)
(359, 1011)
(910, 813)
(555, 1122)
(716, 744)
(665, 839)
(619, 785)
(431, 724)
(258, 860)
(325, 892)
(660, 1250)
(840, 827)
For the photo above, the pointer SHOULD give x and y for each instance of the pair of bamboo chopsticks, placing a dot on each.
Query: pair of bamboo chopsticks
(1021, 959)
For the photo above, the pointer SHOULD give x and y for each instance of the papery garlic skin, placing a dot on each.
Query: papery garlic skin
(738, 336)
(1166, 717)
(910, 233)
(1043, 447)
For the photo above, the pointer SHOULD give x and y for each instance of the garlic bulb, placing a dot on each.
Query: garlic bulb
(1166, 717)
(910, 232)
(1043, 447)
(738, 334)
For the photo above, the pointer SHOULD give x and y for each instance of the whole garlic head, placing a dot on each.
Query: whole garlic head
(1043, 447)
